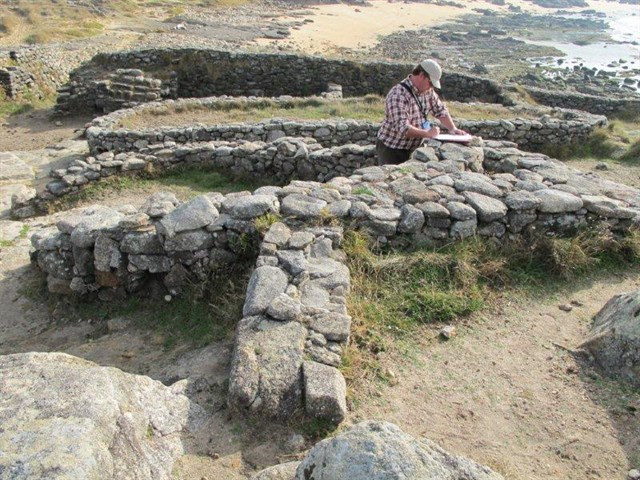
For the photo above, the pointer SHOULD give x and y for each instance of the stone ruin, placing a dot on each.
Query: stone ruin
(295, 327)
(295, 324)
(278, 149)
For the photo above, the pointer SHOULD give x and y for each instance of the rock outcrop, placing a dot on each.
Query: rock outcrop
(379, 451)
(66, 418)
(615, 338)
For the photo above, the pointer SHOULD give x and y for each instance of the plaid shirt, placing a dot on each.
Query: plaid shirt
(402, 110)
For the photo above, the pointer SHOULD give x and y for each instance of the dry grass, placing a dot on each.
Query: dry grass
(43, 21)
(396, 296)
(620, 139)
(367, 108)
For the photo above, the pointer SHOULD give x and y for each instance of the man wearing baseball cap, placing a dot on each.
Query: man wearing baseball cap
(406, 108)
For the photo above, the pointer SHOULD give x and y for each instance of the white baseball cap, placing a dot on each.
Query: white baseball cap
(434, 71)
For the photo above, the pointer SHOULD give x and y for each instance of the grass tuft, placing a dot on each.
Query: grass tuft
(206, 312)
(395, 294)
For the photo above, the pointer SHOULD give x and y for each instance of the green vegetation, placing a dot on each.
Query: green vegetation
(206, 312)
(397, 295)
(183, 182)
(363, 190)
(22, 234)
(27, 103)
(619, 140)
(317, 428)
(264, 222)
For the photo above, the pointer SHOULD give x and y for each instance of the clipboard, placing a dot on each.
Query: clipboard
(447, 137)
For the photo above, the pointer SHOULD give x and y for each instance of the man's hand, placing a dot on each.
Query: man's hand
(432, 133)
(457, 131)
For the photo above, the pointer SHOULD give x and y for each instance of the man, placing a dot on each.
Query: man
(406, 108)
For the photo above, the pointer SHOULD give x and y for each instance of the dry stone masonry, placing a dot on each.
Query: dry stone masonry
(295, 323)
(205, 73)
(602, 105)
(276, 149)
(15, 82)
(550, 126)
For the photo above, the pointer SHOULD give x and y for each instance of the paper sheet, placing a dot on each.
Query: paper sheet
(445, 137)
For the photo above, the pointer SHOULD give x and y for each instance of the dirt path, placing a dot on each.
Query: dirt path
(508, 393)
(37, 129)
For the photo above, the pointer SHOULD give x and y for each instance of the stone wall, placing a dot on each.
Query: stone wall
(277, 149)
(553, 126)
(294, 308)
(15, 81)
(50, 64)
(205, 73)
(601, 105)
(122, 89)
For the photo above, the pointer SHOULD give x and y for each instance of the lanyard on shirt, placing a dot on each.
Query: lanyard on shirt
(422, 108)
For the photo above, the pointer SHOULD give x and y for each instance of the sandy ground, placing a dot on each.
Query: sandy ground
(336, 27)
(508, 393)
(37, 129)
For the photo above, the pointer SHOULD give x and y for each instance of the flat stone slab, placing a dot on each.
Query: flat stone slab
(196, 213)
(13, 169)
(325, 392)
(10, 230)
(265, 284)
(556, 201)
(488, 208)
(266, 371)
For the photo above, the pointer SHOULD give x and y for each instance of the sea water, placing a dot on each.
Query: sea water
(618, 55)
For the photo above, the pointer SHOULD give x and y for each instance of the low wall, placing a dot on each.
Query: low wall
(50, 64)
(295, 304)
(553, 126)
(276, 149)
(15, 81)
(600, 105)
(205, 73)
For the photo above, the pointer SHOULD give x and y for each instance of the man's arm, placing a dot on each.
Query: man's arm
(414, 132)
(447, 122)
(439, 110)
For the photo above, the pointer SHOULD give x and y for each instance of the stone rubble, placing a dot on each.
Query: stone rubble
(295, 315)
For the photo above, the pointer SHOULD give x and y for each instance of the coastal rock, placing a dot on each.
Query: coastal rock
(130, 426)
(381, 451)
(614, 339)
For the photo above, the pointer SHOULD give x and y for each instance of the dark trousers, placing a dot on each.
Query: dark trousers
(391, 156)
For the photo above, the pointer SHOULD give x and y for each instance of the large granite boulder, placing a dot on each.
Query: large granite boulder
(66, 418)
(615, 338)
(380, 451)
